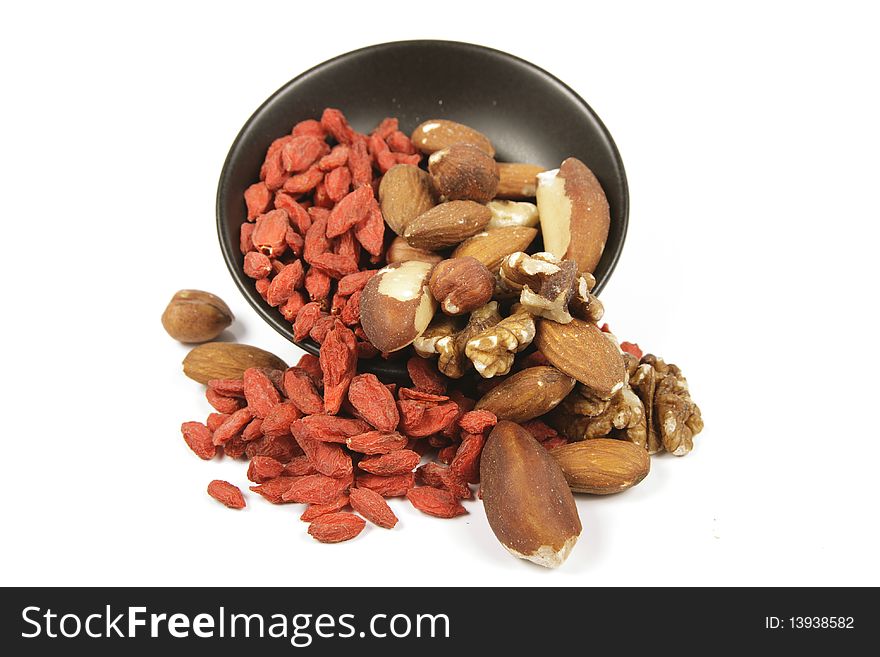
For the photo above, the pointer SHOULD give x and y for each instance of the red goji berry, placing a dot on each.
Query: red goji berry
(373, 507)
(338, 362)
(373, 402)
(435, 502)
(425, 376)
(260, 392)
(336, 527)
(257, 197)
(400, 461)
(199, 439)
(263, 468)
(226, 494)
(318, 510)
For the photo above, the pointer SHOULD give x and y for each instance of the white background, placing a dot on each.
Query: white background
(751, 144)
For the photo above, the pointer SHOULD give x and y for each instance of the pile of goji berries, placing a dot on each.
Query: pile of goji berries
(314, 228)
(322, 435)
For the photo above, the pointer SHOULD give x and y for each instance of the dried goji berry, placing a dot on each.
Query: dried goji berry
(299, 466)
(477, 421)
(263, 468)
(466, 464)
(360, 164)
(221, 403)
(385, 159)
(226, 494)
(253, 431)
(321, 328)
(339, 363)
(295, 242)
(393, 486)
(400, 143)
(257, 265)
(215, 420)
(439, 476)
(332, 429)
(274, 489)
(352, 283)
(245, 240)
(631, 348)
(301, 152)
(269, 233)
(337, 183)
(446, 454)
(377, 145)
(315, 489)
(303, 182)
(336, 527)
(539, 430)
(311, 364)
(328, 458)
(371, 231)
(320, 197)
(198, 438)
(337, 157)
(317, 285)
(386, 127)
(281, 448)
(262, 286)
(299, 218)
(260, 392)
(305, 320)
(352, 209)
(338, 303)
(284, 283)
(376, 442)
(400, 461)
(433, 420)
(257, 197)
(373, 507)
(290, 308)
(403, 158)
(272, 172)
(318, 510)
(425, 376)
(435, 502)
(277, 422)
(308, 127)
(425, 399)
(301, 390)
(334, 123)
(233, 425)
(347, 245)
(373, 402)
(334, 265)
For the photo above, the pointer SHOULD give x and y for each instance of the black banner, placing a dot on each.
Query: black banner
(428, 621)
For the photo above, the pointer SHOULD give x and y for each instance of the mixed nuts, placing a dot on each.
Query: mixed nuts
(483, 286)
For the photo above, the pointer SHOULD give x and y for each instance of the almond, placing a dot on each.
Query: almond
(517, 180)
(574, 212)
(400, 251)
(527, 500)
(404, 194)
(492, 246)
(227, 360)
(527, 394)
(582, 351)
(396, 305)
(463, 172)
(436, 134)
(602, 465)
(447, 224)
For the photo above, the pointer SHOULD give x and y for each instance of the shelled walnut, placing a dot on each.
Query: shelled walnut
(546, 283)
(492, 351)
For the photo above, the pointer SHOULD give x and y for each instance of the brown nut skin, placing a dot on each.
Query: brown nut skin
(602, 466)
(582, 351)
(195, 316)
(528, 503)
(447, 224)
(493, 245)
(517, 180)
(227, 360)
(527, 394)
(404, 193)
(436, 134)
(400, 251)
(396, 305)
(574, 214)
(463, 172)
(461, 285)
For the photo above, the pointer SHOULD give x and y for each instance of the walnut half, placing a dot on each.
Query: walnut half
(545, 282)
(492, 350)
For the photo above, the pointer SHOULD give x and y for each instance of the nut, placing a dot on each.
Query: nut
(581, 417)
(492, 350)
(462, 172)
(461, 285)
(396, 305)
(512, 213)
(582, 351)
(546, 283)
(435, 134)
(603, 465)
(400, 251)
(574, 214)
(446, 337)
(527, 394)
(583, 304)
(447, 224)
(404, 194)
(492, 246)
(674, 419)
(527, 500)
(196, 316)
(517, 180)
(227, 360)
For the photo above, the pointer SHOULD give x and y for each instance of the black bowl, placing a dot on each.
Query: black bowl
(529, 115)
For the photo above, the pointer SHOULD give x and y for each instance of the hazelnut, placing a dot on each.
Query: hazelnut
(461, 285)
(463, 172)
(196, 316)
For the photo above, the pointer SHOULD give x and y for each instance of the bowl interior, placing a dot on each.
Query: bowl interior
(529, 115)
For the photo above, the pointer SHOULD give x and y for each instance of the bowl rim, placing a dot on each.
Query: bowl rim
(229, 250)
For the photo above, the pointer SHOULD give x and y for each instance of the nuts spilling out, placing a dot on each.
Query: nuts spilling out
(527, 499)
(196, 316)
